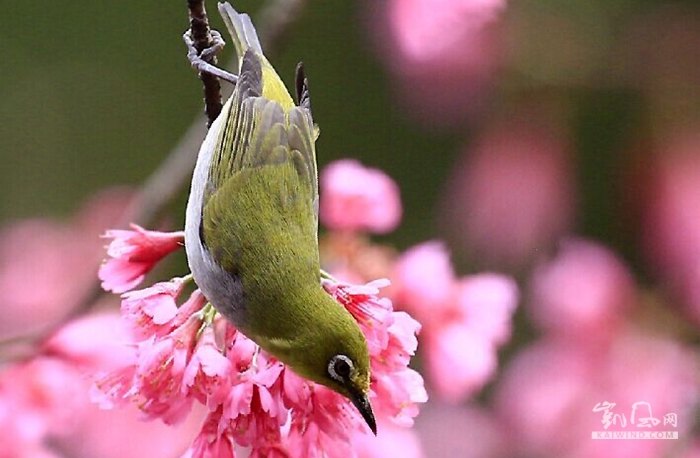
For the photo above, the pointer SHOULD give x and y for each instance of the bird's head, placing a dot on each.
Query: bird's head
(334, 353)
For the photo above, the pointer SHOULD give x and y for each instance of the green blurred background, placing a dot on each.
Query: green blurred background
(94, 94)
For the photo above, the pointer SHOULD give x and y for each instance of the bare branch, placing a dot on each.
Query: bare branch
(202, 40)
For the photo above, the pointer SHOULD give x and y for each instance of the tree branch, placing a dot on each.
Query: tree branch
(202, 40)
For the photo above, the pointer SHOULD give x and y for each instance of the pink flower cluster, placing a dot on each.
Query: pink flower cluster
(357, 198)
(590, 353)
(465, 319)
(186, 354)
(45, 410)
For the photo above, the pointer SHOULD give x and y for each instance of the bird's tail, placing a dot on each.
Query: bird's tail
(241, 29)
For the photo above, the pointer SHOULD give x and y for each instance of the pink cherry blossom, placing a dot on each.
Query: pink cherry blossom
(583, 293)
(211, 441)
(459, 362)
(44, 407)
(425, 279)
(269, 451)
(207, 375)
(254, 410)
(441, 53)
(132, 254)
(160, 372)
(511, 195)
(472, 312)
(464, 431)
(368, 309)
(671, 222)
(150, 311)
(153, 377)
(358, 198)
(547, 394)
(391, 345)
(487, 302)
(253, 400)
(393, 441)
(322, 423)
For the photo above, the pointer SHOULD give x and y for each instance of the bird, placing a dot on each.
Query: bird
(251, 227)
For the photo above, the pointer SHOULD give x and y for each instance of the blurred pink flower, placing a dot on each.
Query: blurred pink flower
(465, 320)
(62, 255)
(37, 398)
(358, 198)
(442, 53)
(541, 396)
(487, 302)
(424, 279)
(512, 194)
(252, 399)
(425, 28)
(693, 450)
(393, 441)
(547, 394)
(583, 293)
(95, 342)
(459, 362)
(45, 410)
(464, 431)
(672, 219)
(132, 254)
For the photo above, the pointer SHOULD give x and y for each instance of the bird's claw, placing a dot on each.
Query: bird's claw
(198, 60)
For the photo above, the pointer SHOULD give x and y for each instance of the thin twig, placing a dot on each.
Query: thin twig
(202, 40)
(170, 177)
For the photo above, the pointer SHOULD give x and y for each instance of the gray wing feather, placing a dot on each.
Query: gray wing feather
(302, 139)
(257, 131)
(232, 145)
(241, 28)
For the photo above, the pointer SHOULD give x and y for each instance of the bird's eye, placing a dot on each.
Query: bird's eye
(340, 367)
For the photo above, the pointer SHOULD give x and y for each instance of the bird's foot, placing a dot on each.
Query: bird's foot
(198, 60)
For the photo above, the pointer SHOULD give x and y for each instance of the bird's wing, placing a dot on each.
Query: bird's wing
(241, 28)
(258, 132)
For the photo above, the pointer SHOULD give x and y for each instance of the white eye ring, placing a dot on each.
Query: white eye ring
(331, 367)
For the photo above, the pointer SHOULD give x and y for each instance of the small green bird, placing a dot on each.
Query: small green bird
(251, 229)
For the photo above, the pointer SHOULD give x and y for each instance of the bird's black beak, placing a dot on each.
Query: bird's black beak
(361, 401)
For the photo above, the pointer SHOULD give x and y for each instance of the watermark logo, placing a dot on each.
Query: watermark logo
(641, 421)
